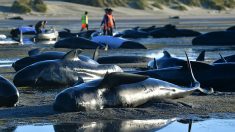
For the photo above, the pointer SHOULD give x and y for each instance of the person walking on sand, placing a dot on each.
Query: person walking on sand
(84, 21)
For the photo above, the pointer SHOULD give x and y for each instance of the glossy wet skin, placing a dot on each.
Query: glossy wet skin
(62, 72)
(220, 77)
(50, 55)
(8, 93)
(92, 95)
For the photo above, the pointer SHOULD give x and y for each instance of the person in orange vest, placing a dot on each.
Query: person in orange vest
(110, 23)
(104, 21)
(84, 21)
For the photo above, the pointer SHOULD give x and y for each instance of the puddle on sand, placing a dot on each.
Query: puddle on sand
(6, 62)
(160, 125)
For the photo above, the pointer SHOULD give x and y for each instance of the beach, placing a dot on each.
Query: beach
(36, 105)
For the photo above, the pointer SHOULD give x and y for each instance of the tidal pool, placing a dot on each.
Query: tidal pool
(152, 125)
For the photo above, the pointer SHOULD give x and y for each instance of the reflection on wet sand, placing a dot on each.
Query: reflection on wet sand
(151, 125)
(116, 126)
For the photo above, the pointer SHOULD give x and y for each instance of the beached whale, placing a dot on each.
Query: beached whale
(146, 29)
(168, 61)
(66, 33)
(219, 76)
(170, 31)
(132, 34)
(231, 28)
(8, 93)
(116, 42)
(230, 58)
(36, 55)
(26, 30)
(215, 38)
(77, 43)
(119, 90)
(51, 34)
(61, 72)
(123, 59)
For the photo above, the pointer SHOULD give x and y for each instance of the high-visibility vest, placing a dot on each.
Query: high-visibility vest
(110, 21)
(84, 19)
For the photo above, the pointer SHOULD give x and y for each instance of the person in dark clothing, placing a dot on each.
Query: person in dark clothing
(103, 22)
(39, 26)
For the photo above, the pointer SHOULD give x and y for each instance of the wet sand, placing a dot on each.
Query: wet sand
(35, 105)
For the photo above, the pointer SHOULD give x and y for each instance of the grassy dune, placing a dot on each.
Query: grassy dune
(174, 4)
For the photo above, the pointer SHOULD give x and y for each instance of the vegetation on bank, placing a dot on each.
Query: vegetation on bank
(174, 4)
(26, 6)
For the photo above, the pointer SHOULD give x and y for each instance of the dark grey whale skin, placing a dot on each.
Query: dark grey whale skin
(61, 72)
(9, 94)
(218, 76)
(215, 38)
(118, 90)
(230, 58)
(77, 43)
(48, 55)
(122, 59)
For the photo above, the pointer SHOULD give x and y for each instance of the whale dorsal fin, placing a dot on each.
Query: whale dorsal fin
(34, 52)
(96, 53)
(222, 58)
(166, 54)
(201, 56)
(67, 30)
(115, 79)
(72, 55)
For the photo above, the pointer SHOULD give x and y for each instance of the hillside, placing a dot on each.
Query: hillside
(58, 9)
(174, 4)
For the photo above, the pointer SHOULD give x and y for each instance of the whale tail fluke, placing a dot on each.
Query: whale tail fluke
(195, 84)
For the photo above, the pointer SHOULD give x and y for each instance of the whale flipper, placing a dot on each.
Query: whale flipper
(96, 53)
(119, 78)
(201, 56)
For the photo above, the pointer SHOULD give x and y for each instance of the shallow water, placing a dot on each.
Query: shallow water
(160, 125)
(176, 46)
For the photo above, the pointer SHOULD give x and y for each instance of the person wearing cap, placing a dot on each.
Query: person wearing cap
(84, 21)
(40, 26)
(104, 21)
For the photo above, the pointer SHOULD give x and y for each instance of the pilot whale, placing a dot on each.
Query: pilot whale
(36, 55)
(168, 61)
(9, 94)
(119, 90)
(61, 72)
